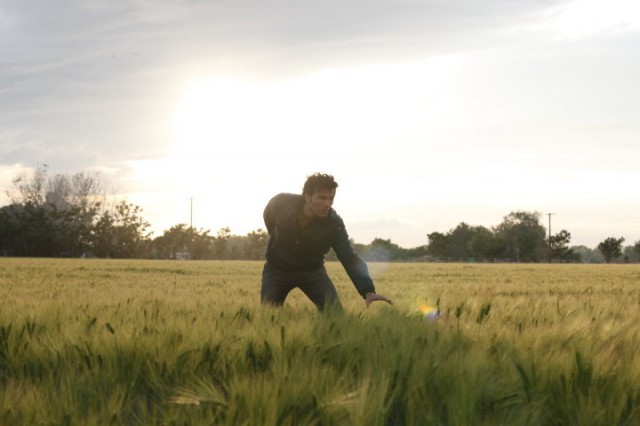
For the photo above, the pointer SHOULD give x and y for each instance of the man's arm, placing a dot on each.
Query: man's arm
(355, 267)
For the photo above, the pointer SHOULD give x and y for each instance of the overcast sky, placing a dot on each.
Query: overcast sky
(429, 113)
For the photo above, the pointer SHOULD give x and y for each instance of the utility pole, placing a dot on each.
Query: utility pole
(191, 214)
(549, 214)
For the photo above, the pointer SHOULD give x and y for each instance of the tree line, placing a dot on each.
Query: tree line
(72, 216)
(521, 237)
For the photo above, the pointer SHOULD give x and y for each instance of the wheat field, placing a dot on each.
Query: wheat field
(123, 342)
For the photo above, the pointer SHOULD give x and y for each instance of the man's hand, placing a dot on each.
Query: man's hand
(373, 297)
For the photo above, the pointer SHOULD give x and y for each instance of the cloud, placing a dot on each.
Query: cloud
(102, 74)
(54, 32)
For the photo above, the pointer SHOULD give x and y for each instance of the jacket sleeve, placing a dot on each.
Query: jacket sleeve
(269, 215)
(355, 267)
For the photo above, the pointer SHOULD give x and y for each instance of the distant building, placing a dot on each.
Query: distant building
(183, 255)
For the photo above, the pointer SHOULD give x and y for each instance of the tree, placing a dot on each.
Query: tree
(458, 241)
(26, 230)
(523, 236)
(51, 216)
(416, 252)
(201, 244)
(256, 243)
(611, 248)
(484, 244)
(629, 254)
(636, 248)
(30, 190)
(183, 238)
(438, 243)
(472, 242)
(559, 246)
(42, 230)
(220, 242)
(585, 254)
(80, 196)
(83, 190)
(9, 228)
(121, 233)
(175, 239)
(382, 250)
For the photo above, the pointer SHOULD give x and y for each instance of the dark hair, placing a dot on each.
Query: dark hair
(318, 181)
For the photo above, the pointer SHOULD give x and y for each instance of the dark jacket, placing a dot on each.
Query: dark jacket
(293, 249)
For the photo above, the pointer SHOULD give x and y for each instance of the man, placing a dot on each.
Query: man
(302, 229)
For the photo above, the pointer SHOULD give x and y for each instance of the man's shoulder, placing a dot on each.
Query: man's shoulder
(285, 201)
(286, 198)
(335, 218)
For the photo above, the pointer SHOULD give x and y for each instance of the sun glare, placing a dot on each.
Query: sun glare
(229, 134)
(350, 112)
(210, 117)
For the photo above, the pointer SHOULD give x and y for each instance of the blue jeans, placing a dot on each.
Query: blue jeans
(316, 284)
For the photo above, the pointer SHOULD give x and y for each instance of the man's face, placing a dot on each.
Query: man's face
(320, 203)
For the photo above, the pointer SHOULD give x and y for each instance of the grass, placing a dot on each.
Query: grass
(100, 342)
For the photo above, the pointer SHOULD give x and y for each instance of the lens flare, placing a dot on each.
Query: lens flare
(429, 313)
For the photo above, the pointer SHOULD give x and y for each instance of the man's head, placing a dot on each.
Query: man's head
(318, 181)
(318, 192)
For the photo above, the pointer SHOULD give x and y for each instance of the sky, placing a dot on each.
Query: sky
(428, 112)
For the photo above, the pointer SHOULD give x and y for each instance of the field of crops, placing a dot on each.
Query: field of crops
(97, 342)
